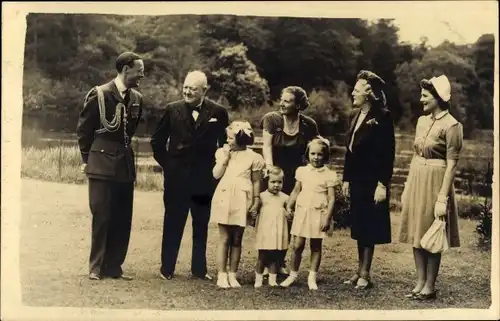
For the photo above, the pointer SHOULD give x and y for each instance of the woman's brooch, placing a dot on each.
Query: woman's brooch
(372, 121)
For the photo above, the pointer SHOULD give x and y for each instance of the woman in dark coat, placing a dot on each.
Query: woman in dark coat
(286, 134)
(368, 168)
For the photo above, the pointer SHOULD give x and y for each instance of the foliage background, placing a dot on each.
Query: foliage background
(248, 60)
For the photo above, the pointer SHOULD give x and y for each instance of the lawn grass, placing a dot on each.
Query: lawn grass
(54, 248)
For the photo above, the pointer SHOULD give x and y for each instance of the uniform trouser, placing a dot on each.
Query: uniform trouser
(111, 207)
(175, 216)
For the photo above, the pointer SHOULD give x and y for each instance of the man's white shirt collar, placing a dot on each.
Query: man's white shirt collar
(120, 86)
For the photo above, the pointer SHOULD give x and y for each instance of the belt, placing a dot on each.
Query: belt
(430, 161)
(122, 143)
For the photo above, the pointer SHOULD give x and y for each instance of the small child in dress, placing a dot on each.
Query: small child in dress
(313, 199)
(236, 197)
(271, 226)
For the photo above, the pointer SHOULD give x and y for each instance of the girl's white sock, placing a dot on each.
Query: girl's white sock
(222, 280)
(259, 278)
(272, 279)
(232, 280)
(290, 279)
(311, 281)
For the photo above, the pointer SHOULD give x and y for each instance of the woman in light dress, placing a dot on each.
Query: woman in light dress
(429, 190)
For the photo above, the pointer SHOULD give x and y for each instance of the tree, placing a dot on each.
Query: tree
(484, 59)
(236, 78)
(385, 59)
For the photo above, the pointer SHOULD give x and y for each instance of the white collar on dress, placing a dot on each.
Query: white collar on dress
(440, 115)
(314, 169)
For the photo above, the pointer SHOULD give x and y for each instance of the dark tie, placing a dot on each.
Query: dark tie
(126, 97)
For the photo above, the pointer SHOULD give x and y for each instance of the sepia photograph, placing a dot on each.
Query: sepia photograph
(339, 156)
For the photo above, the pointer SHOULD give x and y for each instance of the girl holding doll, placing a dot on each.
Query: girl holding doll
(311, 205)
(236, 196)
(272, 227)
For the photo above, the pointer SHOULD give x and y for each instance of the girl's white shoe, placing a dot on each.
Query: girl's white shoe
(272, 279)
(222, 280)
(259, 279)
(312, 284)
(290, 279)
(232, 280)
(311, 281)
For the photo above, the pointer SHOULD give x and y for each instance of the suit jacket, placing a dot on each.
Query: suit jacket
(189, 158)
(372, 157)
(105, 153)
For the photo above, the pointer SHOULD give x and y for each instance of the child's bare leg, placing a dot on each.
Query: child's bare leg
(222, 254)
(298, 244)
(273, 267)
(315, 245)
(261, 262)
(235, 255)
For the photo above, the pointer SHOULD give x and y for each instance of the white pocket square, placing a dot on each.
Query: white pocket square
(212, 120)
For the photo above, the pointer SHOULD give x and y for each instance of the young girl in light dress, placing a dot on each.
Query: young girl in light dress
(311, 201)
(271, 227)
(236, 196)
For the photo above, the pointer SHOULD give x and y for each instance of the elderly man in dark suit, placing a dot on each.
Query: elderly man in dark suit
(368, 171)
(106, 124)
(194, 128)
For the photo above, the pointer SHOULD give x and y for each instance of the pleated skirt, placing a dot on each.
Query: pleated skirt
(421, 191)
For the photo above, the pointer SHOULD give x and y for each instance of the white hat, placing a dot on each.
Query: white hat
(442, 86)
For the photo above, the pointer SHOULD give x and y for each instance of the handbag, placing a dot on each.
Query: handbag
(435, 239)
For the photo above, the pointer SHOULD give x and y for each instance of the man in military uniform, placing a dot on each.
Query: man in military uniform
(106, 124)
(195, 127)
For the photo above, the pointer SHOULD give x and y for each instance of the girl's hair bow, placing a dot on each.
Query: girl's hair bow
(237, 126)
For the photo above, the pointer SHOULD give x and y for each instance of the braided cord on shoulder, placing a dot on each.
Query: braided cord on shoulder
(114, 124)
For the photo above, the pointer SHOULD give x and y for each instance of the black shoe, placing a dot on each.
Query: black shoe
(411, 295)
(123, 277)
(207, 277)
(426, 296)
(166, 276)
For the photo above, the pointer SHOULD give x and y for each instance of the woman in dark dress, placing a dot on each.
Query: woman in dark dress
(286, 134)
(368, 171)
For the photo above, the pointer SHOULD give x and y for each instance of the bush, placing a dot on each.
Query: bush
(330, 109)
(484, 225)
(252, 115)
(469, 209)
(341, 216)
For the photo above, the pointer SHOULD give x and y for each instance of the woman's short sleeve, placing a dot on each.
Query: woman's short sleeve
(258, 163)
(331, 179)
(219, 155)
(269, 123)
(299, 174)
(454, 141)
